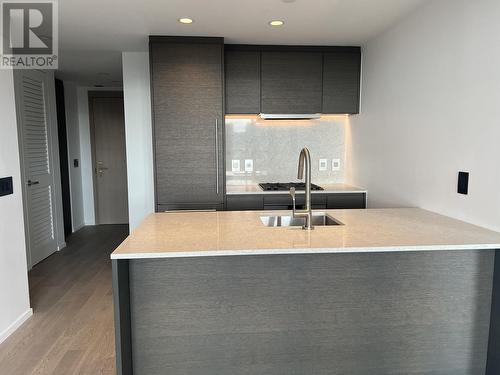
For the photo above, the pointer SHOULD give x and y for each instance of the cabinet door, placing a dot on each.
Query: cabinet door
(188, 123)
(242, 69)
(341, 82)
(291, 82)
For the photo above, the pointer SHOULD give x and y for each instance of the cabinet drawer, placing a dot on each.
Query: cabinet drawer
(164, 207)
(346, 200)
(284, 202)
(244, 202)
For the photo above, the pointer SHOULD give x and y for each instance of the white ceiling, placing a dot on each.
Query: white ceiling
(92, 33)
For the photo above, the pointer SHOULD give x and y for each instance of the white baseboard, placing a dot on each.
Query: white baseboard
(61, 246)
(16, 324)
(78, 227)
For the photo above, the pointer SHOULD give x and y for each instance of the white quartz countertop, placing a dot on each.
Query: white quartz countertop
(256, 189)
(195, 234)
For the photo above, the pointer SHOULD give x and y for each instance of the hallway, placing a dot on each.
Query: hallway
(71, 330)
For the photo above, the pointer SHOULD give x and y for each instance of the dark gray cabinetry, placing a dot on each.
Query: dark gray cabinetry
(341, 81)
(291, 82)
(245, 202)
(242, 70)
(414, 312)
(187, 95)
(292, 79)
(346, 200)
(284, 202)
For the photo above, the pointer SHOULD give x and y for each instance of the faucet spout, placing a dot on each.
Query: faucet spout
(304, 168)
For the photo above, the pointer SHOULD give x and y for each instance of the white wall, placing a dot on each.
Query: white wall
(80, 147)
(138, 132)
(86, 156)
(14, 295)
(430, 108)
(75, 173)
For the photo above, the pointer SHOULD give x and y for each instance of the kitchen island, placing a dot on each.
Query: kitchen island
(399, 291)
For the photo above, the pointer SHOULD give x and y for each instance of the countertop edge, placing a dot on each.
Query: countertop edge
(333, 188)
(353, 250)
(283, 192)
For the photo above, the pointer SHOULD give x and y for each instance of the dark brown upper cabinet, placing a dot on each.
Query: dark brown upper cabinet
(341, 81)
(242, 70)
(188, 120)
(291, 82)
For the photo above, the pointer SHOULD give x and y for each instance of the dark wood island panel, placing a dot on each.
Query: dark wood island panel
(422, 312)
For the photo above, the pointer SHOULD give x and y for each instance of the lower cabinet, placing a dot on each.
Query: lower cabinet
(244, 202)
(346, 201)
(256, 202)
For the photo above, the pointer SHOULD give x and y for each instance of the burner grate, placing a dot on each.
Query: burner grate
(285, 186)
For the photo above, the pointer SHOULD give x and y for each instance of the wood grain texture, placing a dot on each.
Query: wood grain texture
(107, 123)
(291, 82)
(399, 313)
(493, 366)
(242, 70)
(245, 202)
(71, 331)
(341, 82)
(121, 304)
(187, 89)
(346, 201)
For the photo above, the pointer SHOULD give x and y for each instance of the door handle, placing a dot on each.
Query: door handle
(100, 168)
(217, 155)
(32, 182)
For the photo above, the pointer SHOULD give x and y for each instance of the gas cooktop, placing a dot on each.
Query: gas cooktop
(285, 186)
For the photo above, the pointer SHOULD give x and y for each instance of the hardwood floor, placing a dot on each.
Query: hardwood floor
(71, 330)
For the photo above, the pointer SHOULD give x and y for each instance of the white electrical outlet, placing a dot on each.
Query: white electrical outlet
(323, 164)
(335, 164)
(235, 165)
(248, 165)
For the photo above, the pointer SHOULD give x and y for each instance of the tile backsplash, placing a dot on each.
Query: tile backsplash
(268, 150)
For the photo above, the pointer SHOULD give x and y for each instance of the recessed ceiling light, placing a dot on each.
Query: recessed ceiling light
(276, 23)
(185, 20)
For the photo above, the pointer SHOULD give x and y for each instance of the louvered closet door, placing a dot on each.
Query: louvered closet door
(38, 166)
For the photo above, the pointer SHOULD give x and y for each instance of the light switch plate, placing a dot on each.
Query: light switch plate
(248, 165)
(6, 186)
(335, 164)
(235, 165)
(323, 164)
(463, 183)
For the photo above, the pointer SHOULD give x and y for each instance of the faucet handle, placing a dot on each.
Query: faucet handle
(292, 193)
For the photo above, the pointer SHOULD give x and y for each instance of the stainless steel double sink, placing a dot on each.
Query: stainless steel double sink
(290, 221)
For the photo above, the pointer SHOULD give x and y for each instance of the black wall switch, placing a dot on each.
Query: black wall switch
(463, 183)
(75, 163)
(6, 186)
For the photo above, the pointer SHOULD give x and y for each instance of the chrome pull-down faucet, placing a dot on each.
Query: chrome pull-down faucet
(304, 166)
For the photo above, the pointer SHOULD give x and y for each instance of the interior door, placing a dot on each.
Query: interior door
(110, 163)
(32, 93)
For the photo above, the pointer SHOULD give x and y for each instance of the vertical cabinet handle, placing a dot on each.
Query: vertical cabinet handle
(217, 155)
